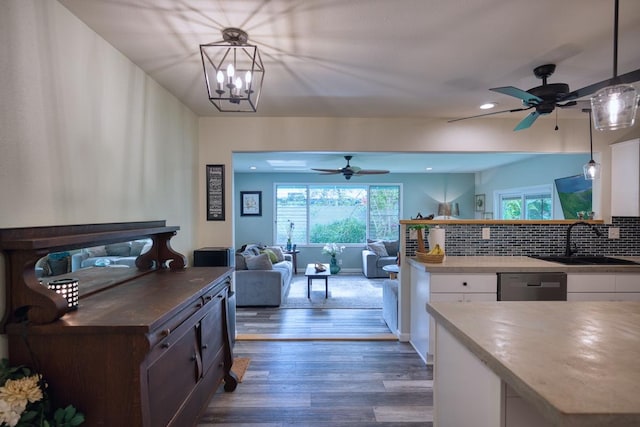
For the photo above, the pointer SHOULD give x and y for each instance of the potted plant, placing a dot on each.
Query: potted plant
(420, 234)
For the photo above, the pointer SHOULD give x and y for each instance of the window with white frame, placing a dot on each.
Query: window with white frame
(336, 213)
(524, 203)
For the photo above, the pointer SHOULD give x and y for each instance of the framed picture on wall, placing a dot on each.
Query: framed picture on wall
(251, 203)
(215, 192)
(479, 202)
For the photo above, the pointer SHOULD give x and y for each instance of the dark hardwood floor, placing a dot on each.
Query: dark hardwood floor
(326, 383)
(320, 368)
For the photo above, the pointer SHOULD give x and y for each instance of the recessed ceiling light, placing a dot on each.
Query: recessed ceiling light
(253, 168)
(429, 169)
(488, 106)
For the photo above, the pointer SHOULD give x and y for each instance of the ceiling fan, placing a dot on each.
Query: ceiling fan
(548, 96)
(348, 171)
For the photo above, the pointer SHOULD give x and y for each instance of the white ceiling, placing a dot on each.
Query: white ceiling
(375, 58)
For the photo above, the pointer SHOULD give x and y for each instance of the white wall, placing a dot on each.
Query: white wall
(85, 135)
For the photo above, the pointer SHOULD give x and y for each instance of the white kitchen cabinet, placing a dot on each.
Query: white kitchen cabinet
(625, 178)
(603, 287)
(460, 288)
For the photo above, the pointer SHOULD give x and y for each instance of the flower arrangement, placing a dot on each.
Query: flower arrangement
(290, 230)
(332, 249)
(24, 401)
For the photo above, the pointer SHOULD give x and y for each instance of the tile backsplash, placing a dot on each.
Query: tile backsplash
(537, 239)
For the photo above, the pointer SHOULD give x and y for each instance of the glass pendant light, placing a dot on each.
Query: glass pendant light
(591, 168)
(614, 107)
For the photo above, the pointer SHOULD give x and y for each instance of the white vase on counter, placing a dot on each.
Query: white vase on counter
(436, 237)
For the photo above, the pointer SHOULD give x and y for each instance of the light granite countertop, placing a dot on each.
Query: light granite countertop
(516, 264)
(578, 363)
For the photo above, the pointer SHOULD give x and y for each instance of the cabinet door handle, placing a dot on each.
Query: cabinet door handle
(464, 283)
(205, 346)
(165, 344)
(208, 298)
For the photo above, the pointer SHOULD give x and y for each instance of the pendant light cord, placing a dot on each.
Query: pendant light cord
(591, 134)
(615, 40)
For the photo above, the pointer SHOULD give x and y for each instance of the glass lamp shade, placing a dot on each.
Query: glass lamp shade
(614, 107)
(591, 170)
(448, 209)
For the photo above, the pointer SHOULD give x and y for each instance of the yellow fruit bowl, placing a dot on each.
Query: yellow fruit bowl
(429, 259)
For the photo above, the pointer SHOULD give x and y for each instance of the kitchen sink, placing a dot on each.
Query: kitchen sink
(585, 260)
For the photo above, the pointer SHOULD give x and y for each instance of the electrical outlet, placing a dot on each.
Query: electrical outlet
(339, 262)
(486, 233)
(614, 232)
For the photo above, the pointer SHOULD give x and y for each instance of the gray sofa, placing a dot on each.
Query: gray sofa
(120, 254)
(376, 255)
(259, 281)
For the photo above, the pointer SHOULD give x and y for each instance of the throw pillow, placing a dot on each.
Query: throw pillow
(272, 256)
(259, 262)
(378, 248)
(241, 264)
(392, 247)
(96, 251)
(58, 266)
(137, 246)
(119, 249)
(279, 254)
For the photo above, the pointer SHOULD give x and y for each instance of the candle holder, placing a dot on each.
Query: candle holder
(68, 288)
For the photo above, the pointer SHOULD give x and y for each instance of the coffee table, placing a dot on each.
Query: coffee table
(311, 274)
(392, 269)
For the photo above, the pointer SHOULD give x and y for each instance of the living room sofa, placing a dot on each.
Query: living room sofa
(121, 254)
(376, 255)
(260, 279)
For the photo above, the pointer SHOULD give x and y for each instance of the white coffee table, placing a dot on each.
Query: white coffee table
(392, 269)
(312, 273)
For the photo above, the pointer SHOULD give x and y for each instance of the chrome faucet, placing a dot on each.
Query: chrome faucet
(568, 251)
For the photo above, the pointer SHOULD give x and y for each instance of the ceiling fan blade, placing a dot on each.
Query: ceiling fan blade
(371, 172)
(328, 171)
(567, 104)
(527, 121)
(489, 114)
(525, 96)
(631, 77)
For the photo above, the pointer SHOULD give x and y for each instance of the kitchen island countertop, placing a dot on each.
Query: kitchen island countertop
(576, 362)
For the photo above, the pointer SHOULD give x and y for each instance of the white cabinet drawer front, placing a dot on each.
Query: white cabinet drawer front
(480, 297)
(467, 283)
(627, 282)
(594, 282)
(593, 296)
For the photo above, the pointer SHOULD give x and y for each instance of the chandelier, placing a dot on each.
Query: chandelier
(233, 72)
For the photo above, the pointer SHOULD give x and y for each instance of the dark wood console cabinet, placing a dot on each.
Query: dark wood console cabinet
(148, 348)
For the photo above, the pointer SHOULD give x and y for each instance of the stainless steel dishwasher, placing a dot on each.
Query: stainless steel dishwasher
(532, 287)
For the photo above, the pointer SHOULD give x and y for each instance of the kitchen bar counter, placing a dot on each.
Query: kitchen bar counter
(516, 264)
(575, 363)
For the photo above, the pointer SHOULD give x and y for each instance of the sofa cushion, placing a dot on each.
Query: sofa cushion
(119, 249)
(96, 251)
(378, 248)
(259, 262)
(138, 247)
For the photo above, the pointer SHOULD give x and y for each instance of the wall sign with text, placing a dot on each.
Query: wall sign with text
(215, 192)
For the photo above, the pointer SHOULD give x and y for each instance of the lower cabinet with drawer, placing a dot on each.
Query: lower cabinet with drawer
(150, 352)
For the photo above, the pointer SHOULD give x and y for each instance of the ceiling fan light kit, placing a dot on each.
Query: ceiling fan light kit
(233, 72)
